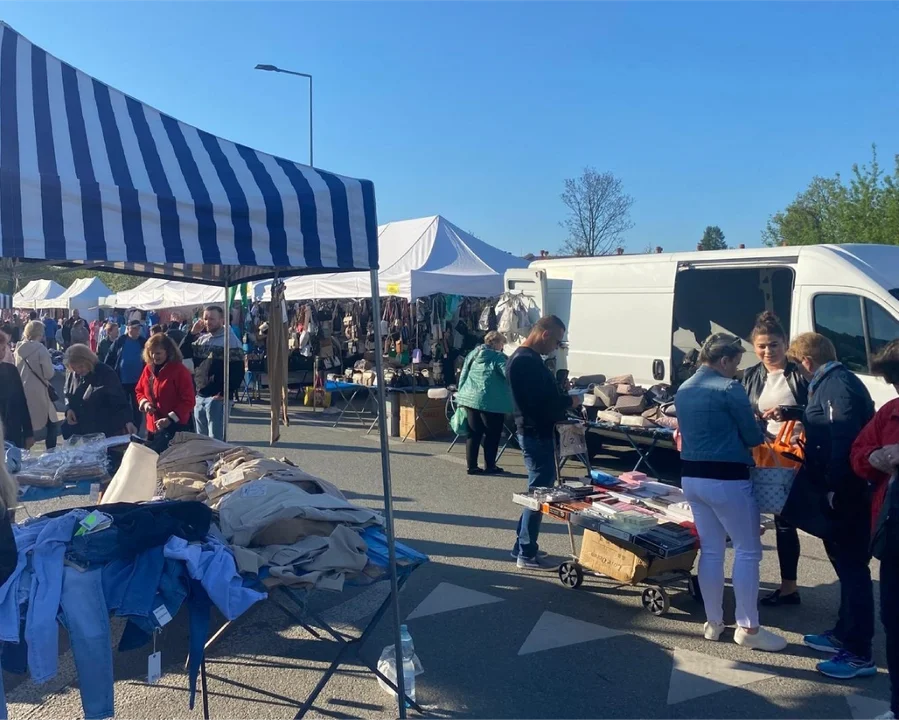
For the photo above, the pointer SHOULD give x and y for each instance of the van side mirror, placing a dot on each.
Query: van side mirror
(658, 369)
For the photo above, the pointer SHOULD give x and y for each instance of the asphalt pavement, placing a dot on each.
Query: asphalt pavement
(494, 641)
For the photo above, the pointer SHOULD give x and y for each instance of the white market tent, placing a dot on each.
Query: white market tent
(94, 178)
(419, 257)
(158, 294)
(145, 294)
(36, 292)
(82, 295)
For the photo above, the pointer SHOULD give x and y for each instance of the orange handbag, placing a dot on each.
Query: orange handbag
(781, 452)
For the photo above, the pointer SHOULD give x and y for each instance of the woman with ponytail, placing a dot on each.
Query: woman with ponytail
(777, 381)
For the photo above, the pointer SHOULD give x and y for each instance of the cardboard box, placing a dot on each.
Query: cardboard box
(433, 421)
(626, 562)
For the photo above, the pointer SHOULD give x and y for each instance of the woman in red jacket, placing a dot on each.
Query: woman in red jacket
(165, 391)
(875, 457)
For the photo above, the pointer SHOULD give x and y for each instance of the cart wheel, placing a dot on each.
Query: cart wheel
(656, 600)
(571, 575)
(695, 590)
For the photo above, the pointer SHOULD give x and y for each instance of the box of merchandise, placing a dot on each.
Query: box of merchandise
(432, 420)
(528, 501)
(626, 562)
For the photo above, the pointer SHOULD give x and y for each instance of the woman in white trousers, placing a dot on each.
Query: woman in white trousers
(718, 429)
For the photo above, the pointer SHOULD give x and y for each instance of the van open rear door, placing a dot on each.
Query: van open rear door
(532, 284)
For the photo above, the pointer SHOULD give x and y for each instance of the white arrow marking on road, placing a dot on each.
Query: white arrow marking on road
(555, 631)
(447, 597)
(694, 675)
(865, 708)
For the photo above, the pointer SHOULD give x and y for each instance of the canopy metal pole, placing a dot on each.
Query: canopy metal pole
(388, 492)
(226, 411)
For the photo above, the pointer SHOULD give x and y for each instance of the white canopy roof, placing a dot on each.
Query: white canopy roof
(80, 295)
(158, 294)
(419, 257)
(36, 291)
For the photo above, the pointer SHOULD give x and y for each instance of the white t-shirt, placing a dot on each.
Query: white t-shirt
(776, 392)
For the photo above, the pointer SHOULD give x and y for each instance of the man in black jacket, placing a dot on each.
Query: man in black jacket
(538, 404)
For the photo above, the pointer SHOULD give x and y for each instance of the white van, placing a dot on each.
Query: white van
(643, 314)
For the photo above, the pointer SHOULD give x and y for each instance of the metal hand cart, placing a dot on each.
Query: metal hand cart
(675, 571)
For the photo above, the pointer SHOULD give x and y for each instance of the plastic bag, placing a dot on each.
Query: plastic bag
(459, 421)
(81, 457)
(387, 667)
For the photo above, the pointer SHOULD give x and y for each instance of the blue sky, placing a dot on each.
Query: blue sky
(711, 113)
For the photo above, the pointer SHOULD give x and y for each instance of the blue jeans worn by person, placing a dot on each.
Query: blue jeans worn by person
(540, 461)
(209, 414)
(84, 615)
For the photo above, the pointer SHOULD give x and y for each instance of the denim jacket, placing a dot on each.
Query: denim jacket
(715, 419)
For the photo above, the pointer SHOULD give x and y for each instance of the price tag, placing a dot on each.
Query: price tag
(162, 615)
(154, 668)
(393, 288)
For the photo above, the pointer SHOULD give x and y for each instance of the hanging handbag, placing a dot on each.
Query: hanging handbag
(781, 452)
(886, 533)
(51, 391)
(771, 485)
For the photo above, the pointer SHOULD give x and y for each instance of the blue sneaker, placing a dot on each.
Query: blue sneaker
(825, 642)
(845, 666)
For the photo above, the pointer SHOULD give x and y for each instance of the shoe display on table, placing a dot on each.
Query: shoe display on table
(778, 598)
(712, 631)
(536, 563)
(845, 666)
(764, 640)
(825, 642)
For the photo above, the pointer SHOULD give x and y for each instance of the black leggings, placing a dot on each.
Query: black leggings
(787, 549)
(488, 426)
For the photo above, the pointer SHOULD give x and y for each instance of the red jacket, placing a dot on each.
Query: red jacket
(882, 430)
(171, 391)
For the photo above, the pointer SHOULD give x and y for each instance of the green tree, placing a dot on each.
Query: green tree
(832, 211)
(712, 239)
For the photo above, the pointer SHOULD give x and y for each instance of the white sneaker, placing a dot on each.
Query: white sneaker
(712, 631)
(761, 640)
(888, 715)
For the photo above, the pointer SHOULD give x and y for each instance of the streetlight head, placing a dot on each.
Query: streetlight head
(270, 68)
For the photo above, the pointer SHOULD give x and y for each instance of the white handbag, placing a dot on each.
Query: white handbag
(771, 486)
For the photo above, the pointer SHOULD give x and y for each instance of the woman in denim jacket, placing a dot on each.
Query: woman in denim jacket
(718, 429)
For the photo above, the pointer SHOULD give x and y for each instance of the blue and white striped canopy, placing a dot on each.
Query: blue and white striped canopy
(91, 176)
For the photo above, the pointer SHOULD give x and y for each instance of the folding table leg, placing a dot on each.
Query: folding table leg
(453, 444)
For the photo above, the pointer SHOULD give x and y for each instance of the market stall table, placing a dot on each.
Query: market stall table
(348, 392)
(644, 441)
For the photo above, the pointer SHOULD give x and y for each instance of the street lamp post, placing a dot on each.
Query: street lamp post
(273, 68)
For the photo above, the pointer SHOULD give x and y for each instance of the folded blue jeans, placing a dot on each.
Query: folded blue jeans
(84, 614)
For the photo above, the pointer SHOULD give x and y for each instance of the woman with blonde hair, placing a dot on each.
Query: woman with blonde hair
(484, 393)
(36, 370)
(95, 399)
(165, 391)
(839, 407)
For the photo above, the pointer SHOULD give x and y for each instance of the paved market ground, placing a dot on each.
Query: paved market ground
(494, 641)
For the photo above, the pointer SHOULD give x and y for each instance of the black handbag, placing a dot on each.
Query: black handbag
(807, 507)
(51, 391)
(886, 534)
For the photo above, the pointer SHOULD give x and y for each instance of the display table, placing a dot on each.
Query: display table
(644, 441)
